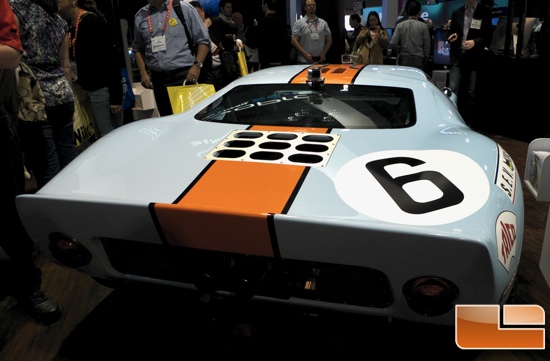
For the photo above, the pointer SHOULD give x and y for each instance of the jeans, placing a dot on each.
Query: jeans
(460, 76)
(412, 61)
(103, 120)
(49, 145)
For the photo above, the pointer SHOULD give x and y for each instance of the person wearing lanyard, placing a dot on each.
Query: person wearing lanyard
(97, 79)
(162, 48)
(311, 36)
(471, 32)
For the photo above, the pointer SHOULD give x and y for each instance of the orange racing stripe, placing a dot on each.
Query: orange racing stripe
(227, 208)
(333, 73)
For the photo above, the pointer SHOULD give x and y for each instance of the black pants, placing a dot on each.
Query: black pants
(163, 79)
(213, 76)
(24, 277)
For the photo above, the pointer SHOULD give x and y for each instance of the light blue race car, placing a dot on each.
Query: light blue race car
(345, 187)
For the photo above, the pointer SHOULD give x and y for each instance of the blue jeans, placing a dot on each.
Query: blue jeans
(60, 138)
(103, 120)
(49, 145)
(412, 61)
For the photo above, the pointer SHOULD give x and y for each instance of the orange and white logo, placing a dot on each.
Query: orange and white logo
(479, 327)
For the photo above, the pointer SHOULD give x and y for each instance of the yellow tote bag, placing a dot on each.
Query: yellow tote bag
(243, 66)
(82, 121)
(184, 97)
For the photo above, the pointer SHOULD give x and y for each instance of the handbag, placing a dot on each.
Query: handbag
(356, 58)
(32, 105)
(184, 97)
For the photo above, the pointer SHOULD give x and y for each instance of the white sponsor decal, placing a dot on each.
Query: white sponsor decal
(506, 174)
(506, 238)
(423, 187)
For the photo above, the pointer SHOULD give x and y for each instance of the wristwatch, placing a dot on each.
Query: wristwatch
(198, 63)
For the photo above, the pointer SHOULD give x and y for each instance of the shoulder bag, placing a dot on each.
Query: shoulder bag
(32, 105)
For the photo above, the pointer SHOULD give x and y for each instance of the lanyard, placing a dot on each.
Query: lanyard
(165, 19)
(316, 26)
(73, 41)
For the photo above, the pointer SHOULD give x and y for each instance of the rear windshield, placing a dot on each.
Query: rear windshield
(334, 106)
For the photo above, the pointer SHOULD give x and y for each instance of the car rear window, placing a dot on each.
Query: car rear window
(333, 106)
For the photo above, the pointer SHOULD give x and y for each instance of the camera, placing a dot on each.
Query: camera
(314, 79)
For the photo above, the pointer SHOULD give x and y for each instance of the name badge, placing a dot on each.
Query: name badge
(314, 36)
(476, 24)
(158, 43)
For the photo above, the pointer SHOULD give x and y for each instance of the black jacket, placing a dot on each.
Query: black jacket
(97, 61)
(482, 35)
(272, 40)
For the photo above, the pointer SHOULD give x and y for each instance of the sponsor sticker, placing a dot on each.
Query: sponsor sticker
(506, 174)
(506, 238)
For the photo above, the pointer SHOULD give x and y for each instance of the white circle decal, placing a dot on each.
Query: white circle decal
(423, 187)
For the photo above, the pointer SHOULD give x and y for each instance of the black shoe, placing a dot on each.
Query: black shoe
(39, 306)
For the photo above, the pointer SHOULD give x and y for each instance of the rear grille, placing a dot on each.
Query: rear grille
(251, 275)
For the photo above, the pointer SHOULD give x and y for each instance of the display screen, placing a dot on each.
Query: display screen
(442, 47)
(346, 22)
(390, 34)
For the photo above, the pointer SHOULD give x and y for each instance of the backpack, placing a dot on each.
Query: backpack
(229, 66)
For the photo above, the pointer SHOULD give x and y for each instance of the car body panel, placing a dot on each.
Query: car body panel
(457, 212)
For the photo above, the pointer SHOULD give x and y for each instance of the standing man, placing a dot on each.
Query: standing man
(273, 39)
(355, 23)
(162, 48)
(404, 15)
(224, 33)
(226, 14)
(471, 31)
(311, 36)
(412, 39)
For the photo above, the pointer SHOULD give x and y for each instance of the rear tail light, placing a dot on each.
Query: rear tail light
(430, 296)
(68, 251)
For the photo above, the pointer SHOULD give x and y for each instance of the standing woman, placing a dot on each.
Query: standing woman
(371, 40)
(25, 278)
(95, 63)
(48, 145)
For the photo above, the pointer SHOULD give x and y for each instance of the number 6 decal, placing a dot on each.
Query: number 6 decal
(394, 186)
(416, 187)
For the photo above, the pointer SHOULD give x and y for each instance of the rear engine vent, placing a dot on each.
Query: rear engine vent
(310, 149)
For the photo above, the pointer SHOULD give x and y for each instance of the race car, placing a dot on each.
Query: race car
(342, 187)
